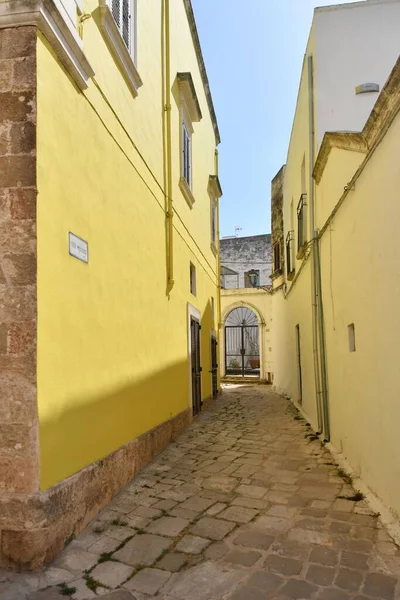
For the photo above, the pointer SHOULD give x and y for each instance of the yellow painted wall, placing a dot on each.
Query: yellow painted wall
(260, 302)
(112, 346)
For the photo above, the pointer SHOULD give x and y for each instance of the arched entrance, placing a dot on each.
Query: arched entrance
(242, 343)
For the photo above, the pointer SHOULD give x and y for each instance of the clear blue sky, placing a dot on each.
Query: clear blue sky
(253, 52)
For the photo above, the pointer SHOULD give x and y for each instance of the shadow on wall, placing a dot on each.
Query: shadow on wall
(91, 428)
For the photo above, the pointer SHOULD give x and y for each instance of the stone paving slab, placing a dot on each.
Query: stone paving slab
(243, 506)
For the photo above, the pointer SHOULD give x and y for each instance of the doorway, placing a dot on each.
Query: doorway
(195, 364)
(242, 343)
(298, 360)
(214, 366)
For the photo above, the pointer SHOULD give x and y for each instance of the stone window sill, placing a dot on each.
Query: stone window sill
(118, 49)
(186, 191)
(301, 251)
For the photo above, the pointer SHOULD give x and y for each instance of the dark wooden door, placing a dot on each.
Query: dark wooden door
(214, 366)
(196, 365)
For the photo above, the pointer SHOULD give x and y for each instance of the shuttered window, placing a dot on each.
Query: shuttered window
(122, 13)
(187, 154)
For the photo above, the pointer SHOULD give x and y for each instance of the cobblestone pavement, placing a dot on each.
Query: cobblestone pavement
(246, 505)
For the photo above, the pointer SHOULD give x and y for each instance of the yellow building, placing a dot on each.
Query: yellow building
(335, 224)
(108, 255)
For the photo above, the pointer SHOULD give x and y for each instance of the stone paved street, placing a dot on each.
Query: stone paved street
(246, 505)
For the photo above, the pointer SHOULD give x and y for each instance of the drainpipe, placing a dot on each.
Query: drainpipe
(319, 347)
(311, 202)
(219, 322)
(168, 109)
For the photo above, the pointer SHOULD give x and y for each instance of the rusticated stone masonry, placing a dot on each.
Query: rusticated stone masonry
(277, 221)
(19, 473)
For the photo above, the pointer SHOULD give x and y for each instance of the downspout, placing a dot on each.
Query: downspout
(219, 324)
(319, 343)
(311, 136)
(168, 109)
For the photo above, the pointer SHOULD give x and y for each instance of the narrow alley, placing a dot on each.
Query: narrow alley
(246, 505)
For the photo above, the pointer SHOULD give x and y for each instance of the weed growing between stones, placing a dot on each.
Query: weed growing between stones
(345, 476)
(66, 591)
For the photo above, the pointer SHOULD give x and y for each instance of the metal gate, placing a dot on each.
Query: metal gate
(196, 366)
(214, 366)
(242, 346)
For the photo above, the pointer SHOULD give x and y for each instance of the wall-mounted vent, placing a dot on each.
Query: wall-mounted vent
(367, 88)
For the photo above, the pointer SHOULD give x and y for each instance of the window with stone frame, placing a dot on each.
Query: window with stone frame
(124, 13)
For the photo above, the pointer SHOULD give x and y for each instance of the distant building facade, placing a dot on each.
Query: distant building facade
(246, 307)
(246, 262)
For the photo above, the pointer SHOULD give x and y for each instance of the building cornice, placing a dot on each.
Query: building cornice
(382, 115)
(202, 67)
(47, 17)
(188, 92)
(214, 186)
(341, 140)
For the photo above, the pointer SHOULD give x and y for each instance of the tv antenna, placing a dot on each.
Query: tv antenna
(237, 229)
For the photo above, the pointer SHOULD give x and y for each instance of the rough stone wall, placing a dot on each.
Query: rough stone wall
(244, 254)
(19, 471)
(277, 213)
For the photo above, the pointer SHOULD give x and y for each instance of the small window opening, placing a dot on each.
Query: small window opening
(277, 257)
(192, 279)
(352, 337)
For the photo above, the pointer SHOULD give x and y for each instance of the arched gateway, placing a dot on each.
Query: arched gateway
(242, 343)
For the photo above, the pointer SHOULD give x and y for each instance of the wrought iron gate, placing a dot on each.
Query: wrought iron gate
(214, 366)
(242, 346)
(196, 366)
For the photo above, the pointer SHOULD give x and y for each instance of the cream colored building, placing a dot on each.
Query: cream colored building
(246, 323)
(336, 289)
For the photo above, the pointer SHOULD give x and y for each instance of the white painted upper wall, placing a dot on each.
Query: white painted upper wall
(354, 44)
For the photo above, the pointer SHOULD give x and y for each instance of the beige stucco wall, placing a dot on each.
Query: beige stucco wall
(360, 255)
(260, 301)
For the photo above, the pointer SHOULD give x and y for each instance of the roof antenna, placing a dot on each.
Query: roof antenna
(237, 229)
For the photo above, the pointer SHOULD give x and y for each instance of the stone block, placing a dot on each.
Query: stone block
(20, 269)
(324, 556)
(298, 589)
(22, 338)
(283, 565)
(24, 73)
(6, 75)
(23, 138)
(3, 339)
(17, 440)
(172, 562)
(16, 107)
(111, 574)
(23, 203)
(148, 581)
(320, 575)
(214, 529)
(197, 504)
(143, 550)
(251, 491)
(191, 544)
(207, 581)
(18, 475)
(380, 586)
(169, 526)
(349, 580)
(18, 41)
(244, 558)
(254, 539)
(222, 483)
(238, 514)
(268, 582)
